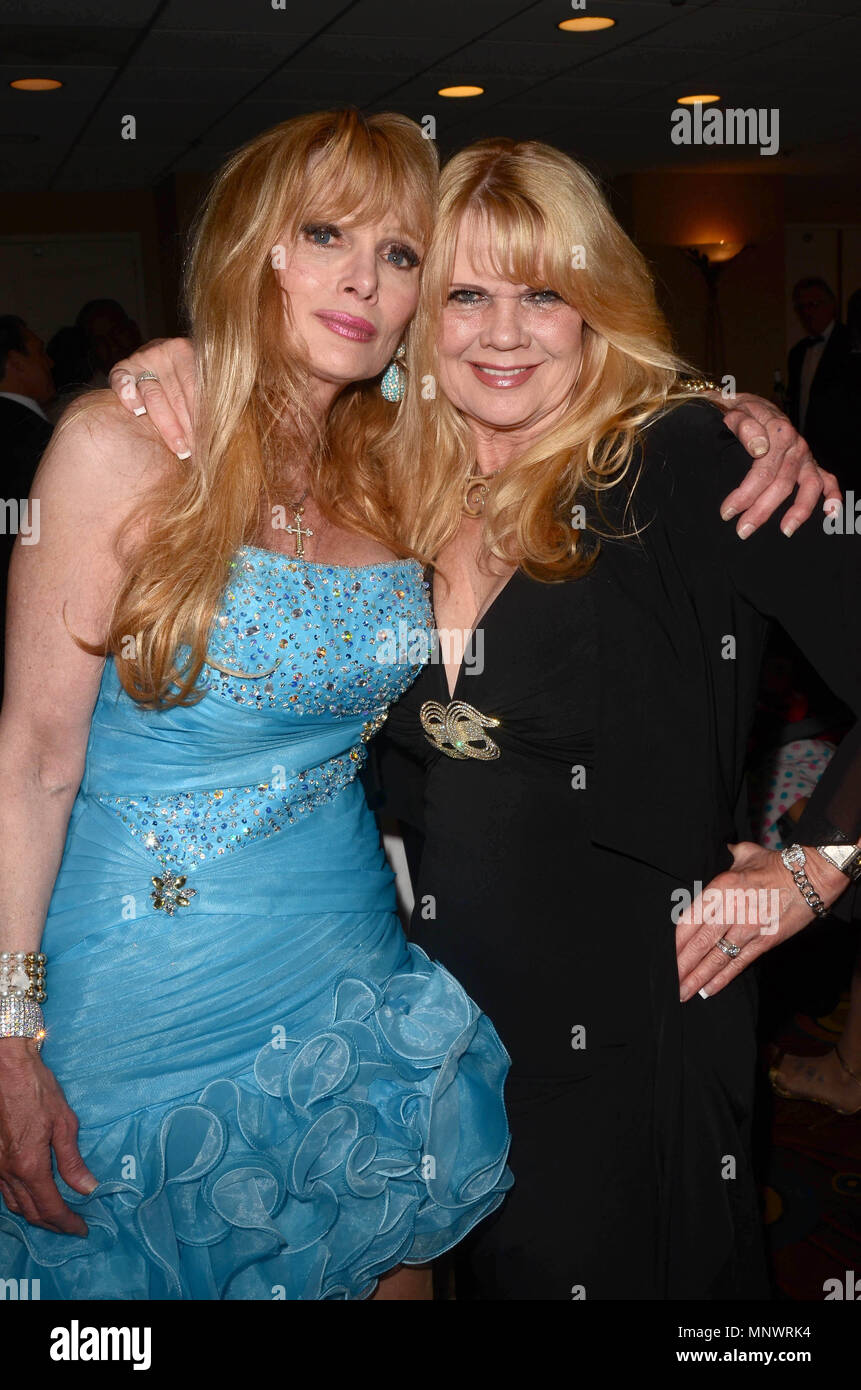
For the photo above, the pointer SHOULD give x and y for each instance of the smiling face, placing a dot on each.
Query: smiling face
(352, 289)
(509, 354)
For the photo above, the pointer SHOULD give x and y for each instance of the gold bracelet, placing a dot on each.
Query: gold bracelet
(698, 383)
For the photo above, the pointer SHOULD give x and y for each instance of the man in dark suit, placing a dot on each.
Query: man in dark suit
(819, 407)
(26, 387)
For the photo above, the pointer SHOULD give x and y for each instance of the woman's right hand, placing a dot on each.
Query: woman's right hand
(169, 401)
(34, 1119)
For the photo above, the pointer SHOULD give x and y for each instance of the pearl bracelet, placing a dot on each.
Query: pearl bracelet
(22, 976)
(22, 992)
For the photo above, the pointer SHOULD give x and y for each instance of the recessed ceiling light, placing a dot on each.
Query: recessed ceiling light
(692, 101)
(588, 24)
(36, 84)
(462, 91)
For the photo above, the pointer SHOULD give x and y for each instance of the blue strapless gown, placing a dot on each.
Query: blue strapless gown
(280, 1097)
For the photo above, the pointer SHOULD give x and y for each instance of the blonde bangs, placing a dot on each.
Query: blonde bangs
(524, 239)
(370, 178)
(518, 244)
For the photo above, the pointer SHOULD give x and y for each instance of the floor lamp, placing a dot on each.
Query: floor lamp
(711, 258)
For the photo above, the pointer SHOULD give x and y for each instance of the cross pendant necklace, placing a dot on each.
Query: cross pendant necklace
(299, 531)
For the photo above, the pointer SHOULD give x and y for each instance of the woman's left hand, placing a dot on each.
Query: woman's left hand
(754, 905)
(783, 462)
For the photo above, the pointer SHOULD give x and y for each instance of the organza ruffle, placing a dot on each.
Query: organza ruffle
(379, 1139)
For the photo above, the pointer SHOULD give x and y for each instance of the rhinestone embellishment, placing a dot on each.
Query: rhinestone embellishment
(457, 729)
(301, 643)
(169, 892)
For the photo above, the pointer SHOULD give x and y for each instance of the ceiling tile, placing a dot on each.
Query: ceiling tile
(259, 17)
(130, 14)
(172, 48)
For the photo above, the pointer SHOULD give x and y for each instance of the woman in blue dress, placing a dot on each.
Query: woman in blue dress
(277, 1096)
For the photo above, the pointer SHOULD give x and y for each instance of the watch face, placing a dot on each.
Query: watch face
(843, 857)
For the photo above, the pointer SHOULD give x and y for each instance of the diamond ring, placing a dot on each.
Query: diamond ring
(729, 948)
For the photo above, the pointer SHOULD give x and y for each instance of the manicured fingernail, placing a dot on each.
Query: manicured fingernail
(832, 507)
(141, 410)
(746, 530)
(728, 513)
(790, 529)
(703, 993)
(758, 447)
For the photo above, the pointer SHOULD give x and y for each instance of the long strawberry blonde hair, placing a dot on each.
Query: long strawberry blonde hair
(253, 399)
(543, 221)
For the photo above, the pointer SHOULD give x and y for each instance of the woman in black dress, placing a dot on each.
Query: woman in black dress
(582, 765)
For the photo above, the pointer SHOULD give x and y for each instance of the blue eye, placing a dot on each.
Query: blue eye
(545, 296)
(467, 297)
(316, 232)
(403, 257)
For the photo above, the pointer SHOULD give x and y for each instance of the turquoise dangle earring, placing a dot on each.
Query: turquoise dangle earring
(393, 383)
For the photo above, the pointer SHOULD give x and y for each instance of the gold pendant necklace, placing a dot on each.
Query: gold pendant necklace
(476, 492)
(299, 531)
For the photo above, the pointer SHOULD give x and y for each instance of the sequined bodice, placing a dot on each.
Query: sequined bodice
(304, 661)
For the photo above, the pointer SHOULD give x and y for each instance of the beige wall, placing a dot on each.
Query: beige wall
(39, 214)
(665, 211)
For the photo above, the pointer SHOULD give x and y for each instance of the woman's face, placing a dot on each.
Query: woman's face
(509, 355)
(353, 289)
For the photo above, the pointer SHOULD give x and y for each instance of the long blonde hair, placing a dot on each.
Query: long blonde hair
(544, 222)
(253, 397)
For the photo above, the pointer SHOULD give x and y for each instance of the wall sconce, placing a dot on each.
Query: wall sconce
(712, 257)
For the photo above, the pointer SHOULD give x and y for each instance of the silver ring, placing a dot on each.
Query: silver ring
(145, 376)
(729, 948)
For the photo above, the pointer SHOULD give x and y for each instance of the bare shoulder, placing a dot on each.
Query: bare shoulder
(101, 462)
(106, 446)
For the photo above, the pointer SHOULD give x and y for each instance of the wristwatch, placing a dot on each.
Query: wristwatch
(846, 858)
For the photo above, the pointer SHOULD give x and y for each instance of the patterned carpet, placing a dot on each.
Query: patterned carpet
(812, 1176)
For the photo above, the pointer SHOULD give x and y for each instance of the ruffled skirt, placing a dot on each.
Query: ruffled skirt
(278, 1103)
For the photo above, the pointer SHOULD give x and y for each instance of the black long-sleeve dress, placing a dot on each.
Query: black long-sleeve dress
(549, 874)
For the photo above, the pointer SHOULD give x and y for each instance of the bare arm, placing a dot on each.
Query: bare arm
(96, 467)
(782, 459)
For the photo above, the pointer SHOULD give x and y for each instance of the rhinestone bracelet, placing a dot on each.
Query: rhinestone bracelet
(21, 1018)
(22, 975)
(794, 858)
